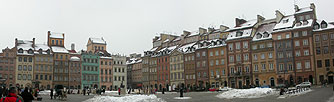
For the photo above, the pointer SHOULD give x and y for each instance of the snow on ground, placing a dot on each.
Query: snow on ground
(182, 98)
(296, 94)
(247, 93)
(45, 92)
(130, 98)
(110, 93)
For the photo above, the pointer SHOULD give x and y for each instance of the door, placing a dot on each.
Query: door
(272, 82)
(240, 84)
(330, 79)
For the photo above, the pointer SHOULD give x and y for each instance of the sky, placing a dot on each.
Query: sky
(129, 26)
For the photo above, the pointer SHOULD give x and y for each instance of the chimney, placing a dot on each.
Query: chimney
(223, 28)
(260, 18)
(33, 42)
(312, 6)
(210, 30)
(202, 30)
(296, 8)
(49, 32)
(279, 16)
(73, 47)
(15, 42)
(238, 22)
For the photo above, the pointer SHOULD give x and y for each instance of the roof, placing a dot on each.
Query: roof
(133, 61)
(217, 43)
(44, 47)
(25, 44)
(74, 58)
(329, 25)
(264, 32)
(56, 35)
(303, 24)
(305, 9)
(166, 40)
(242, 34)
(57, 49)
(185, 47)
(97, 40)
(104, 57)
(286, 22)
(249, 23)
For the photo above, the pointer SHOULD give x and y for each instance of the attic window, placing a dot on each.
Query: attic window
(316, 26)
(40, 51)
(239, 33)
(298, 24)
(258, 36)
(286, 21)
(20, 50)
(30, 51)
(48, 51)
(323, 24)
(305, 22)
(265, 34)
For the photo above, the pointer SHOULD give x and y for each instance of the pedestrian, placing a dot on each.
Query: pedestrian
(84, 91)
(1, 89)
(12, 96)
(88, 91)
(119, 91)
(51, 93)
(27, 96)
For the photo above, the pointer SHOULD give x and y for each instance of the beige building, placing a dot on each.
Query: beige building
(96, 44)
(176, 69)
(24, 62)
(43, 67)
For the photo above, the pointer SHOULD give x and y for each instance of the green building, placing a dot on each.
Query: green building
(90, 70)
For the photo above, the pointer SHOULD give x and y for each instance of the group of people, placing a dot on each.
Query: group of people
(14, 94)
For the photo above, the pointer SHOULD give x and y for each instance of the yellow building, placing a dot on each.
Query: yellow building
(24, 62)
(96, 44)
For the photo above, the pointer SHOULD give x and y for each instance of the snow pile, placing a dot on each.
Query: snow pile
(110, 93)
(132, 98)
(247, 93)
(46, 92)
(182, 98)
(296, 94)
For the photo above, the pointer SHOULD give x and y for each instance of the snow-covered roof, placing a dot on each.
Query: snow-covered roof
(44, 47)
(97, 40)
(264, 32)
(103, 57)
(303, 24)
(166, 41)
(133, 61)
(153, 49)
(286, 22)
(239, 34)
(185, 47)
(249, 23)
(25, 44)
(329, 25)
(57, 35)
(305, 9)
(217, 43)
(193, 33)
(74, 58)
(57, 49)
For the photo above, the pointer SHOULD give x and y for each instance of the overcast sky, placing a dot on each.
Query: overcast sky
(129, 25)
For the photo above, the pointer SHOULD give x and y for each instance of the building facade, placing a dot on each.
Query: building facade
(120, 69)
(8, 67)
(43, 67)
(24, 62)
(106, 72)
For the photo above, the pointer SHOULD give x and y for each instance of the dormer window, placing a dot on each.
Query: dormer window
(323, 24)
(48, 51)
(316, 26)
(285, 21)
(305, 22)
(40, 51)
(239, 33)
(265, 34)
(258, 36)
(298, 24)
(20, 50)
(30, 51)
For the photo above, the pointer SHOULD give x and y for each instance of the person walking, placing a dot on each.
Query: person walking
(51, 93)
(119, 91)
(27, 96)
(84, 91)
(12, 96)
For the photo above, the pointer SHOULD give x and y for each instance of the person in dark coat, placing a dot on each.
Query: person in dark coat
(1, 90)
(51, 93)
(12, 96)
(27, 96)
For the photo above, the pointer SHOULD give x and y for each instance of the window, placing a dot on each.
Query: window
(307, 65)
(297, 43)
(281, 67)
(327, 64)
(222, 61)
(324, 37)
(305, 42)
(217, 53)
(36, 77)
(203, 53)
(211, 73)
(301, 18)
(211, 53)
(287, 36)
(247, 69)
(203, 64)
(232, 70)
(271, 66)
(231, 59)
(263, 66)
(30, 68)
(217, 62)
(211, 63)
(318, 51)
(296, 34)
(269, 44)
(223, 71)
(254, 47)
(256, 67)
(319, 63)
(245, 45)
(279, 37)
(326, 50)
(198, 54)
(230, 47)
(332, 36)
(246, 57)
(317, 38)
(261, 46)
(53, 42)
(299, 65)
(304, 33)
(262, 56)
(198, 64)
(56, 42)
(221, 52)
(280, 54)
(255, 56)
(306, 53)
(307, 17)
(237, 45)
(238, 58)
(297, 53)
(19, 67)
(270, 55)
(25, 68)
